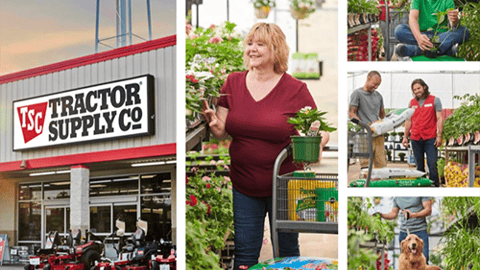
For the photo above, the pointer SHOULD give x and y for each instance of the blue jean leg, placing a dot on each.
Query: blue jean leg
(447, 39)
(422, 235)
(452, 36)
(249, 219)
(420, 148)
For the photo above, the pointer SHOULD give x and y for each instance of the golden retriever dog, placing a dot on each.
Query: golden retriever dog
(412, 257)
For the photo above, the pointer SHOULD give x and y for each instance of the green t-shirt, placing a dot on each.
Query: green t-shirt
(426, 8)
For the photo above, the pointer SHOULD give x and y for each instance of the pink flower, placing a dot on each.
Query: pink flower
(227, 179)
(206, 178)
(215, 40)
(212, 26)
(219, 189)
(213, 162)
(188, 28)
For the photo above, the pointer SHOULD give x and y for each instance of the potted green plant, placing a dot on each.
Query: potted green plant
(301, 9)
(441, 17)
(389, 155)
(307, 148)
(263, 7)
(402, 156)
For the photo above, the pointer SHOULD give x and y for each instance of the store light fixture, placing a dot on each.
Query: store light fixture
(154, 163)
(49, 173)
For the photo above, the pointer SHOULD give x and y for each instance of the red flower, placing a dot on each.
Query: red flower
(191, 78)
(193, 200)
(208, 185)
(209, 208)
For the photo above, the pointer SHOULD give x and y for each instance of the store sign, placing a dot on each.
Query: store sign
(100, 112)
(3, 247)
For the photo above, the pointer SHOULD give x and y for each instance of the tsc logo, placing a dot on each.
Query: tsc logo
(32, 118)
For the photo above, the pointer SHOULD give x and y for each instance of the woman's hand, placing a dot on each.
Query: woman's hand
(216, 120)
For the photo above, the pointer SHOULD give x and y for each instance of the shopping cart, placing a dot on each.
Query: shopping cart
(303, 204)
(360, 146)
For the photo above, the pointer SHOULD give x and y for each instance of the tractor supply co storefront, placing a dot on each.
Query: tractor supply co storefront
(89, 140)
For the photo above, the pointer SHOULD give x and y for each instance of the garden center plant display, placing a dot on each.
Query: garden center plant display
(263, 7)
(209, 219)
(301, 9)
(362, 228)
(358, 45)
(470, 18)
(460, 247)
(210, 55)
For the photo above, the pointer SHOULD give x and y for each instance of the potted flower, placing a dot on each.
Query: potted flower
(301, 9)
(263, 7)
(307, 148)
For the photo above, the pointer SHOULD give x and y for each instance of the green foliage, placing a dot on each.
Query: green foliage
(263, 3)
(362, 6)
(464, 119)
(461, 242)
(470, 50)
(210, 55)
(441, 167)
(306, 116)
(209, 218)
(360, 258)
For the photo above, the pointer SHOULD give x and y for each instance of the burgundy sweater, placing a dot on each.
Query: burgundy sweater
(260, 131)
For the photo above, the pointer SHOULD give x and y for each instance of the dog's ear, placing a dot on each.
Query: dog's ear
(420, 244)
(403, 246)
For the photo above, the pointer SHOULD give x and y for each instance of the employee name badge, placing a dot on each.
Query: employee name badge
(34, 261)
(164, 267)
(102, 268)
(429, 105)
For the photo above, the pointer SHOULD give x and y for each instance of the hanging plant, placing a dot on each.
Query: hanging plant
(263, 7)
(301, 9)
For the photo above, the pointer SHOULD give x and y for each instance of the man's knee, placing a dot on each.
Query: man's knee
(400, 31)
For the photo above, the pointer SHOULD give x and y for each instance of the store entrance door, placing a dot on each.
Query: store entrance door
(57, 218)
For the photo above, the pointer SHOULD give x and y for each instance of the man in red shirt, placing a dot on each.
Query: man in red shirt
(425, 128)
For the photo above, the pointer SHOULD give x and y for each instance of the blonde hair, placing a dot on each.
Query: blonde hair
(274, 38)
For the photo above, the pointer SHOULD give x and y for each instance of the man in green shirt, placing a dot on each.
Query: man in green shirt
(416, 37)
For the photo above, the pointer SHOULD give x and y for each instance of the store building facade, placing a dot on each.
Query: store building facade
(89, 140)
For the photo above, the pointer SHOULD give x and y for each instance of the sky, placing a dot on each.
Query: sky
(35, 33)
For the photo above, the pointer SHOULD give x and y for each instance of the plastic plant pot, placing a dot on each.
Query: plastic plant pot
(306, 149)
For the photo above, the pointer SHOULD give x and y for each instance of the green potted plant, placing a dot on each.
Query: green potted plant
(301, 9)
(389, 155)
(441, 17)
(263, 7)
(402, 156)
(307, 148)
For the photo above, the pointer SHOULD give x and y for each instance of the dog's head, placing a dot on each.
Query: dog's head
(412, 244)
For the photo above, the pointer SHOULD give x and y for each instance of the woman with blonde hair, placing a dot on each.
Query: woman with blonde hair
(253, 110)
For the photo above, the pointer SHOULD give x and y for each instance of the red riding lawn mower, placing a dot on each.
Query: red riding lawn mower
(79, 256)
(41, 258)
(166, 259)
(135, 255)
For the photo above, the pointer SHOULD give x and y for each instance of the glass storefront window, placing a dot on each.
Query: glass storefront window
(127, 213)
(29, 192)
(100, 219)
(56, 190)
(114, 186)
(157, 211)
(29, 221)
(156, 183)
(55, 219)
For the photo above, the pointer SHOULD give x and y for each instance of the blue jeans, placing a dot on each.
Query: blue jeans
(419, 148)
(422, 235)
(249, 220)
(447, 39)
